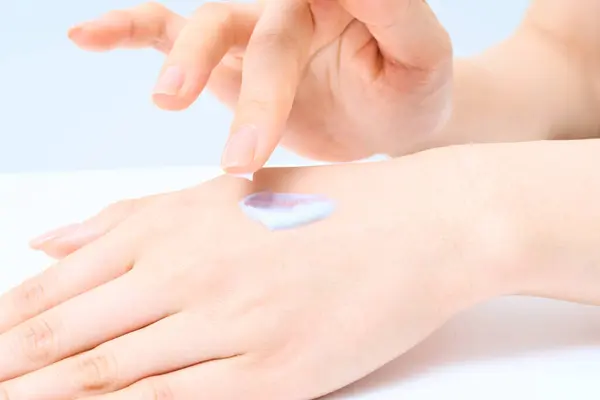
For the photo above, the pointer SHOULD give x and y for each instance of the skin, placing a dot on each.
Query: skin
(329, 62)
(310, 68)
(460, 225)
(206, 305)
(282, 323)
(531, 86)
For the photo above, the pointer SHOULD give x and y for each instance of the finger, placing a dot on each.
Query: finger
(64, 241)
(148, 25)
(216, 380)
(207, 37)
(118, 307)
(407, 32)
(224, 84)
(171, 344)
(109, 258)
(273, 66)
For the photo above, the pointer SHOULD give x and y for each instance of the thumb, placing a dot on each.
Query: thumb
(408, 32)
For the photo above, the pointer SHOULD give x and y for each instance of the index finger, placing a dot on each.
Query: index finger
(274, 63)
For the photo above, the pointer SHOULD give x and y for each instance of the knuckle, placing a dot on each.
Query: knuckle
(38, 342)
(96, 372)
(219, 19)
(122, 207)
(255, 105)
(153, 8)
(150, 16)
(270, 40)
(30, 298)
(221, 13)
(184, 199)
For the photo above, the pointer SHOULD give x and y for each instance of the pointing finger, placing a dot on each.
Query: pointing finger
(273, 66)
(207, 37)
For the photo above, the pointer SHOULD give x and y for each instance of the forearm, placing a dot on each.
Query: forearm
(508, 218)
(547, 197)
(526, 88)
(572, 24)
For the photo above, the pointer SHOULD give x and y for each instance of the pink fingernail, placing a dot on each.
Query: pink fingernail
(170, 82)
(241, 147)
(77, 31)
(74, 31)
(53, 235)
(85, 25)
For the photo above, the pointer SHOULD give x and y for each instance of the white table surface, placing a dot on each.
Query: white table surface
(513, 348)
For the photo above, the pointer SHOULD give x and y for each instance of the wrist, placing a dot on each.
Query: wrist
(490, 246)
(544, 198)
(441, 195)
(523, 89)
(411, 212)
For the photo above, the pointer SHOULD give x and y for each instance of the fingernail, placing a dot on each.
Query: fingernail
(170, 82)
(75, 31)
(240, 148)
(53, 235)
(85, 25)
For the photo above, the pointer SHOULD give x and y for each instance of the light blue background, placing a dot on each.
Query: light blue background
(62, 108)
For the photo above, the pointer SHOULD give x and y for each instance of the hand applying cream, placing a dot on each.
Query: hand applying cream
(331, 80)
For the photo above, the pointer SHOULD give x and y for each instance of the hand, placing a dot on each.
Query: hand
(188, 298)
(331, 80)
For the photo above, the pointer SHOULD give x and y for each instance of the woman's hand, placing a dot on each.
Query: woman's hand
(335, 80)
(186, 297)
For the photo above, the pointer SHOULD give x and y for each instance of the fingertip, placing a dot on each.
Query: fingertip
(242, 170)
(242, 153)
(87, 38)
(170, 102)
(58, 253)
(82, 36)
(55, 249)
(250, 167)
(75, 32)
(42, 240)
(64, 241)
(177, 88)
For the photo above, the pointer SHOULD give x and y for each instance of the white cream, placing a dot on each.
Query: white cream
(286, 210)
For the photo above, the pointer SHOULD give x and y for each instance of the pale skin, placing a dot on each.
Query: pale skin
(175, 297)
(310, 68)
(325, 79)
